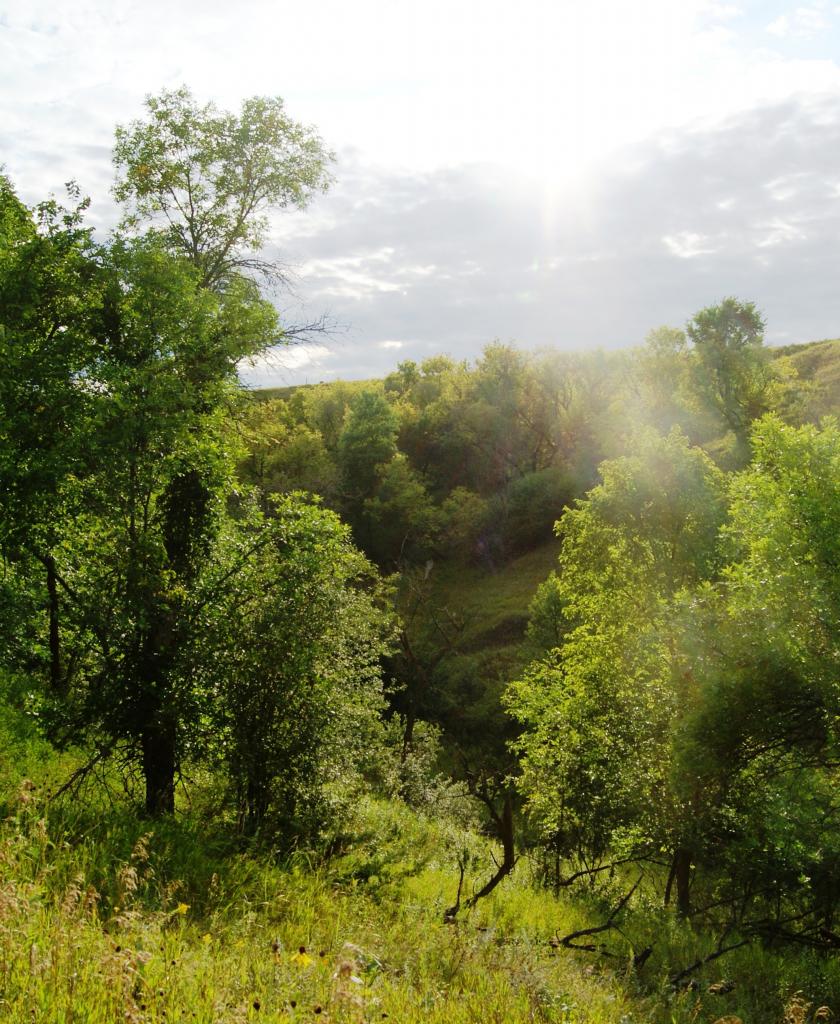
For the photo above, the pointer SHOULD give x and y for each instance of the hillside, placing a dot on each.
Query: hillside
(106, 918)
(818, 363)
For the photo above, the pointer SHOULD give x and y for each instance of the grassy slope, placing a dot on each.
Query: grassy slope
(494, 605)
(818, 363)
(104, 918)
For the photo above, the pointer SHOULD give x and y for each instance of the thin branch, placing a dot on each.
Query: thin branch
(568, 941)
(77, 777)
(719, 952)
(588, 872)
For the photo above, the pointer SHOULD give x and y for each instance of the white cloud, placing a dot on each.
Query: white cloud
(356, 277)
(778, 232)
(688, 244)
(779, 26)
(801, 23)
(282, 364)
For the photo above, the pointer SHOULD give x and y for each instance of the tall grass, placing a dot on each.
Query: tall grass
(104, 918)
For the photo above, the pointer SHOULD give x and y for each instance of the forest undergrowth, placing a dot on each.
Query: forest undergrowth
(106, 917)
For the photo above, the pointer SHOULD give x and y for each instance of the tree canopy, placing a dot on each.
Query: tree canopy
(211, 178)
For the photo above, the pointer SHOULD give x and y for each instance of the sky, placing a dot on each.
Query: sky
(550, 174)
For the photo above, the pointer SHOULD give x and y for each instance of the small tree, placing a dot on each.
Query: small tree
(730, 373)
(288, 656)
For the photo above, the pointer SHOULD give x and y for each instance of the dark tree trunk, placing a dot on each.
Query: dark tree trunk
(58, 681)
(504, 823)
(408, 733)
(505, 831)
(56, 677)
(680, 875)
(257, 800)
(158, 746)
(185, 509)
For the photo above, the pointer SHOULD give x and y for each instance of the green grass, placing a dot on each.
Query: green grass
(494, 604)
(106, 918)
(819, 364)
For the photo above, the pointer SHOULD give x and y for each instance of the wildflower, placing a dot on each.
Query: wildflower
(301, 958)
(182, 908)
(206, 938)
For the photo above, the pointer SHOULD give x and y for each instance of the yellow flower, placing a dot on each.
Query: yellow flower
(301, 958)
(206, 938)
(182, 908)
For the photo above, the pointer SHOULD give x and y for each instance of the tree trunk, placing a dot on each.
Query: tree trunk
(257, 800)
(408, 733)
(56, 678)
(504, 827)
(680, 874)
(158, 746)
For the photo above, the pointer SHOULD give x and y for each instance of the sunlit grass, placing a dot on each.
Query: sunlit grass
(104, 918)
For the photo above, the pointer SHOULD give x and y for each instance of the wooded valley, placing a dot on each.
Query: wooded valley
(503, 689)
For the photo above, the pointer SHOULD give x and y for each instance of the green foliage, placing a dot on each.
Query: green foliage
(50, 301)
(211, 178)
(284, 455)
(730, 373)
(288, 659)
(399, 517)
(598, 707)
(367, 443)
(762, 733)
(465, 524)
(690, 704)
(532, 505)
(547, 622)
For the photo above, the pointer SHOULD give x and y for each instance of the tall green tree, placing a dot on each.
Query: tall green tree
(209, 179)
(597, 709)
(114, 448)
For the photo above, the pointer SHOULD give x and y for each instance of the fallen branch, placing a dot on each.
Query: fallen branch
(719, 952)
(568, 941)
(77, 777)
(504, 828)
(450, 915)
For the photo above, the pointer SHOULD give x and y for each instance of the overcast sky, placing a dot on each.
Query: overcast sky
(550, 173)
